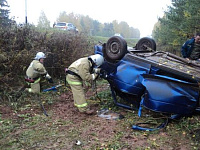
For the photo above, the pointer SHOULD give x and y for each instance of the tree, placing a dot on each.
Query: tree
(93, 27)
(96, 27)
(108, 30)
(116, 26)
(43, 22)
(4, 13)
(134, 33)
(88, 24)
(180, 22)
(124, 29)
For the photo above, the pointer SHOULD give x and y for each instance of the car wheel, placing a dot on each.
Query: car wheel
(146, 44)
(115, 49)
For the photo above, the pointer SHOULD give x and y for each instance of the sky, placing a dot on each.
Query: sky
(141, 14)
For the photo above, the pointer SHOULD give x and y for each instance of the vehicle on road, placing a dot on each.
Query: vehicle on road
(157, 80)
(66, 26)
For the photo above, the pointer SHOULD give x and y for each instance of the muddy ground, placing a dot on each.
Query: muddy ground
(28, 128)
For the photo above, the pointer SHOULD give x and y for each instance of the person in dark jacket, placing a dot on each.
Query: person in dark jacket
(191, 48)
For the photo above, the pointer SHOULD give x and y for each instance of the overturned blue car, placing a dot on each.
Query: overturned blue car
(158, 80)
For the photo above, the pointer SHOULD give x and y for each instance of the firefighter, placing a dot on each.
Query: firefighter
(34, 72)
(83, 69)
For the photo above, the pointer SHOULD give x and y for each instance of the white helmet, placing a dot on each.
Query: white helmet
(97, 59)
(40, 55)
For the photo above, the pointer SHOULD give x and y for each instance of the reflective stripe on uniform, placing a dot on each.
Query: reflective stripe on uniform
(74, 82)
(83, 105)
(36, 81)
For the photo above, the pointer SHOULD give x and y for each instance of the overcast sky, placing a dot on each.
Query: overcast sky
(141, 14)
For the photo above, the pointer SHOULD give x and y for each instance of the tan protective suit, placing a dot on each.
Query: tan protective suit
(34, 71)
(81, 67)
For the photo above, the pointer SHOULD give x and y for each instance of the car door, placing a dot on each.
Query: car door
(70, 26)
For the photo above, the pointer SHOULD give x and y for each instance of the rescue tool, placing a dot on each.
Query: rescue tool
(53, 88)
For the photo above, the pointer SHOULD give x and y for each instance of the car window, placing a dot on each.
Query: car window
(70, 25)
(61, 24)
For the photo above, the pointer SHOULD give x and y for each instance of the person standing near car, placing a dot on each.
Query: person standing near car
(34, 72)
(83, 69)
(54, 24)
(191, 48)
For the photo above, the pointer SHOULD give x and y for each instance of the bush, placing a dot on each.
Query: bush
(19, 44)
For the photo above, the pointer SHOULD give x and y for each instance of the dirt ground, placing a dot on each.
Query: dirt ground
(65, 126)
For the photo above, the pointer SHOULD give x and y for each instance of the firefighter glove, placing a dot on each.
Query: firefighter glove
(97, 70)
(94, 76)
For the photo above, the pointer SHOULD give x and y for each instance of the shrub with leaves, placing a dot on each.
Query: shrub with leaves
(19, 45)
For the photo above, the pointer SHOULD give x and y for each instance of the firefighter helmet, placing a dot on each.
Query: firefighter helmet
(40, 55)
(97, 59)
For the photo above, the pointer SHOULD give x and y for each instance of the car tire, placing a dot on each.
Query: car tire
(146, 44)
(115, 49)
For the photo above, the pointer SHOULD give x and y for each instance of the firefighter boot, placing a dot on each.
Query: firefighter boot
(87, 111)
